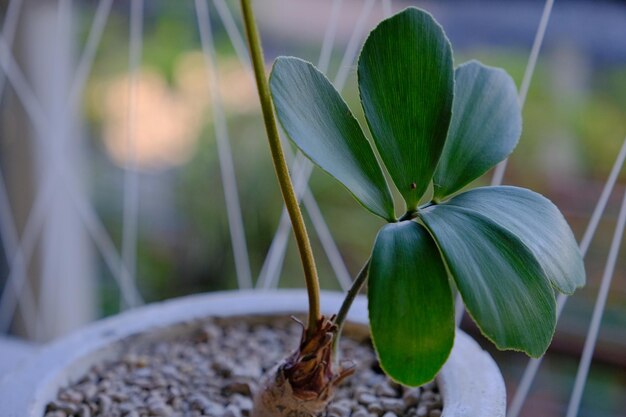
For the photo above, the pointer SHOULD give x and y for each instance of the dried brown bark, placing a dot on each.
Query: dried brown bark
(304, 383)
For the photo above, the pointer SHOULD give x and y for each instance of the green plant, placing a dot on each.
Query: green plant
(505, 249)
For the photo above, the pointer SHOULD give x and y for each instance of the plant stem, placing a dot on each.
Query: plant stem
(354, 290)
(280, 166)
(409, 215)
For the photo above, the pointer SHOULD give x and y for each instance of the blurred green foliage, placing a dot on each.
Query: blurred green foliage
(571, 135)
(574, 124)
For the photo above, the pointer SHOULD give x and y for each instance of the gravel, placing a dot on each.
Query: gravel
(213, 368)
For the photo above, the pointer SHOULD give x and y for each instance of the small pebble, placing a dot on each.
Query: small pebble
(242, 402)
(67, 408)
(238, 387)
(367, 398)
(85, 411)
(214, 370)
(375, 408)
(422, 411)
(385, 390)
(56, 413)
(89, 390)
(232, 411)
(214, 409)
(71, 395)
(392, 404)
(160, 410)
(339, 410)
(411, 397)
(428, 395)
(429, 386)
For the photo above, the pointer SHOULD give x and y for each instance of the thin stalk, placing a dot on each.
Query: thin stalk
(409, 215)
(354, 290)
(280, 166)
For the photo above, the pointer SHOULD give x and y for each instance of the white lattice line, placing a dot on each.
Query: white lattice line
(328, 43)
(498, 174)
(47, 185)
(16, 280)
(46, 188)
(47, 293)
(274, 260)
(9, 236)
(352, 49)
(227, 169)
(276, 254)
(301, 170)
(533, 364)
(95, 228)
(22, 90)
(270, 274)
(9, 28)
(459, 309)
(89, 53)
(598, 311)
(328, 242)
(234, 34)
(29, 239)
(128, 265)
(271, 269)
(387, 10)
(8, 230)
(22, 255)
(604, 197)
(104, 244)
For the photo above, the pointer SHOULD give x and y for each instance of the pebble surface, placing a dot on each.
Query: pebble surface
(214, 369)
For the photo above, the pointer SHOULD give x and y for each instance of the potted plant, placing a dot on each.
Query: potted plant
(470, 382)
(505, 249)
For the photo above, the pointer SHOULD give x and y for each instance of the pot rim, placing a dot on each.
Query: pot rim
(466, 385)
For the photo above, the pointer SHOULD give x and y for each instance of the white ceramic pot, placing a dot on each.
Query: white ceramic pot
(470, 383)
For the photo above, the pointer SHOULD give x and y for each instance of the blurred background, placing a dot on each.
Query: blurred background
(133, 158)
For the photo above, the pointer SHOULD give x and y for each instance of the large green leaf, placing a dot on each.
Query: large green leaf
(485, 127)
(538, 223)
(406, 82)
(320, 123)
(502, 284)
(410, 304)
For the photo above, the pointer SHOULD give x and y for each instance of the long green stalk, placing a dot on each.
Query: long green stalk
(354, 290)
(280, 166)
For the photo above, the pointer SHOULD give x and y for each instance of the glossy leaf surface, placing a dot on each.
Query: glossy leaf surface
(485, 127)
(502, 284)
(406, 82)
(319, 122)
(538, 223)
(410, 303)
